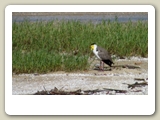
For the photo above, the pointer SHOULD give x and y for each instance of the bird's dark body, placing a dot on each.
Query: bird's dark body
(108, 62)
(105, 56)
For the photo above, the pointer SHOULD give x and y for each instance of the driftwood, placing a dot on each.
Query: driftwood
(140, 79)
(117, 91)
(136, 84)
(55, 91)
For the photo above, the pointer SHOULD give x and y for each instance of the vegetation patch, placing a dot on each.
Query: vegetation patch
(65, 45)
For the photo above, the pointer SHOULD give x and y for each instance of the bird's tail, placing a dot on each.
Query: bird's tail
(108, 62)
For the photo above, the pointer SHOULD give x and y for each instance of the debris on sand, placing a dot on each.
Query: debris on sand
(136, 84)
(119, 66)
(105, 91)
(55, 91)
(140, 79)
(130, 66)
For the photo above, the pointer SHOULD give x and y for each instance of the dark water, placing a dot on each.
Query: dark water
(82, 18)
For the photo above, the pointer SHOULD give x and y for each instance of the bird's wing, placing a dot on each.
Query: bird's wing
(104, 55)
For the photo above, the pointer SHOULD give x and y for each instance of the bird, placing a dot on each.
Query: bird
(102, 55)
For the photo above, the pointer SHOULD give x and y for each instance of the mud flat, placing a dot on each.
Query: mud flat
(119, 78)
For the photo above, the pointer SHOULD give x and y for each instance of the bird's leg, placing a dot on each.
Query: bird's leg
(101, 66)
(110, 68)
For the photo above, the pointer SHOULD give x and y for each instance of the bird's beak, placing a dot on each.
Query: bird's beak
(92, 47)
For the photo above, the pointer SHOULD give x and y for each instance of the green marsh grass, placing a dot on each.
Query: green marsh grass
(50, 46)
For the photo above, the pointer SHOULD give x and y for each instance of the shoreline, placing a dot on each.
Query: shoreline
(75, 13)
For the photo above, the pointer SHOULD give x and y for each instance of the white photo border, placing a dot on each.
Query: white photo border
(84, 104)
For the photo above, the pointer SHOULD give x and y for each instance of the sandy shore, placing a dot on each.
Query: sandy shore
(117, 78)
